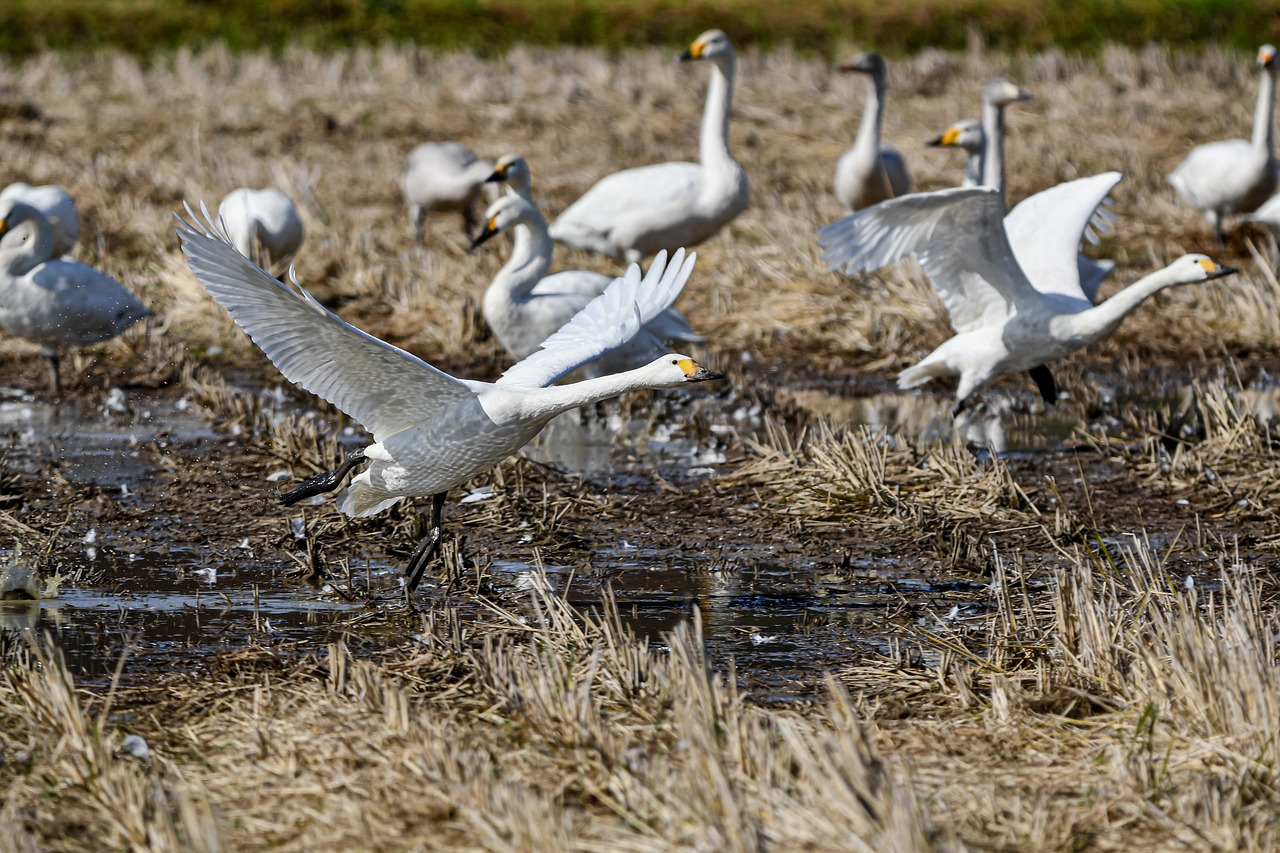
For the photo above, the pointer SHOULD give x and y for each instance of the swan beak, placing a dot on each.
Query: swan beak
(499, 175)
(693, 51)
(1266, 56)
(4, 227)
(1216, 270)
(949, 137)
(693, 372)
(490, 229)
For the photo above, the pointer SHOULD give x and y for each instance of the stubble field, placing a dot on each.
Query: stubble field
(1082, 694)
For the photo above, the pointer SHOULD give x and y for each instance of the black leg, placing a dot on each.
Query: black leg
(326, 482)
(427, 546)
(55, 362)
(958, 407)
(1044, 381)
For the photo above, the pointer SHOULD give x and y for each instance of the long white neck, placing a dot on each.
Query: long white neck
(993, 159)
(973, 169)
(713, 139)
(1262, 113)
(529, 261)
(867, 142)
(1098, 322)
(554, 399)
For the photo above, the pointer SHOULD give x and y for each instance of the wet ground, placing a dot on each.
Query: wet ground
(159, 516)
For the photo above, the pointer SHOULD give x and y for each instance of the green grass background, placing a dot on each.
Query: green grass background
(894, 26)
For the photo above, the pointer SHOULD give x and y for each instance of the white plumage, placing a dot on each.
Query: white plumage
(512, 170)
(1011, 310)
(870, 172)
(52, 301)
(636, 212)
(1234, 175)
(966, 135)
(58, 208)
(263, 224)
(523, 305)
(432, 432)
(443, 176)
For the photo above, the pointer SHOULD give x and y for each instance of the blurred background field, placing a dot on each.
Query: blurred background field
(148, 26)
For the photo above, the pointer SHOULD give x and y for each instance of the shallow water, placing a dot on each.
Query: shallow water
(171, 603)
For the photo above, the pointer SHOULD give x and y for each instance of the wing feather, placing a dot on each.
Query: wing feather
(607, 322)
(383, 387)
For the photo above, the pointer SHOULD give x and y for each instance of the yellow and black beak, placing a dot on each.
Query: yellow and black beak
(1216, 270)
(4, 227)
(693, 372)
(947, 138)
(499, 175)
(690, 53)
(490, 228)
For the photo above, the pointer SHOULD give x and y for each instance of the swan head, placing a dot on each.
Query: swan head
(1194, 267)
(674, 370)
(1001, 91)
(1267, 57)
(503, 214)
(22, 226)
(865, 63)
(966, 134)
(712, 44)
(511, 169)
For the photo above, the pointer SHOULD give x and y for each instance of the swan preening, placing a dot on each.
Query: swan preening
(1234, 175)
(443, 176)
(52, 301)
(432, 432)
(636, 212)
(524, 306)
(263, 224)
(870, 172)
(1011, 311)
(56, 205)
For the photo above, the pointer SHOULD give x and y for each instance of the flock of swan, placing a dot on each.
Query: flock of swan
(1018, 290)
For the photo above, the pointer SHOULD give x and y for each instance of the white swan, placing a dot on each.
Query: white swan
(1011, 311)
(443, 176)
(524, 305)
(57, 206)
(636, 212)
(431, 432)
(52, 301)
(966, 135)
(1234, 175)
(263, 224)
(870, 172)
(512, 170)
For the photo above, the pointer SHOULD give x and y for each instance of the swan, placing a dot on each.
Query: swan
(870, 172)
(431, 431)
(263, 224)
(636, 212)
(966, 135)
(443, 176)
(524, 305)
(57, 206)
(512, 170)
(1011, 311)
(52, 301)
(1234, 175)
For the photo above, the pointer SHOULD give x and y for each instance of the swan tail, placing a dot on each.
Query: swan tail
(361, 499)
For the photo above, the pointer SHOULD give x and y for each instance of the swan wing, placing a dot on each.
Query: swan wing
(383, 387)
(959, 238)
(1045, 231)
(646, 191)
(607, 322)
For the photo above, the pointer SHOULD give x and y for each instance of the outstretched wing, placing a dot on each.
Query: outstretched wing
(957, 235)
(1045, 231)
(383, 387)
(607, 322)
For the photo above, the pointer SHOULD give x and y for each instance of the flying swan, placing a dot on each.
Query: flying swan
(431, 432)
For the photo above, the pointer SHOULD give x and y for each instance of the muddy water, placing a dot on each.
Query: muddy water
(169, 603)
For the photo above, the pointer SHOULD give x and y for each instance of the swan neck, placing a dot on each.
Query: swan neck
(529, 261)
(973, 169)
(868, 138)
(1264, 111)
(713, 139)
(1101, 320)
(20, 259)
(993, 159)
(554, 399)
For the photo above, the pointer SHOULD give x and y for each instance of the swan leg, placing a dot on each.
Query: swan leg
(55, 362)
(426, 548)
(416, 216)
(470, 221)
(326, 482)
(1044, 381)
